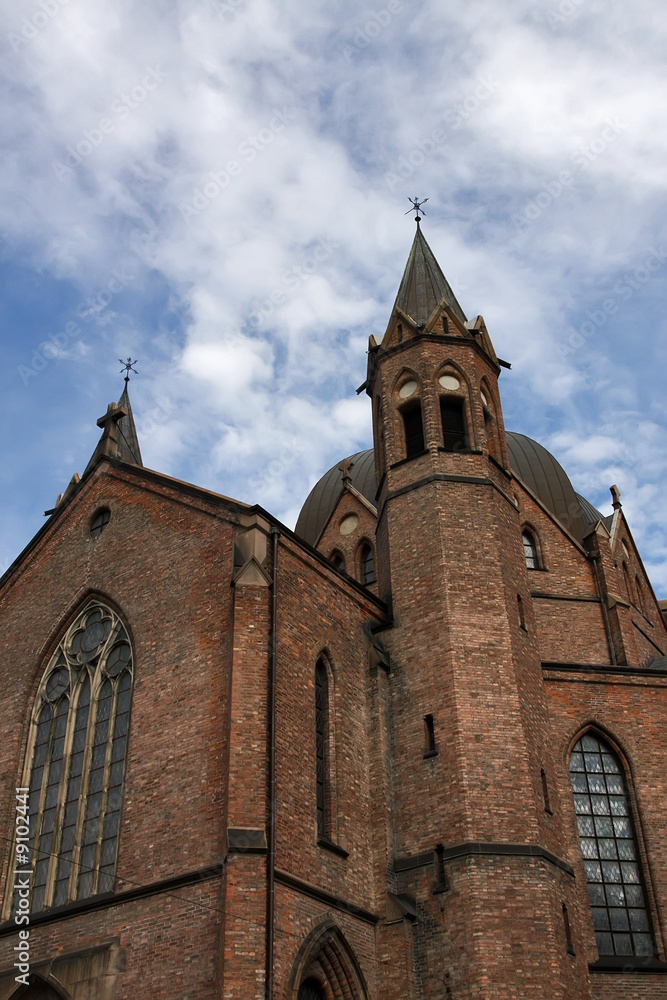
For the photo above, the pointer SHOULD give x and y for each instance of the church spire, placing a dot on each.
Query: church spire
(424, 285)
(127, 439)
(119, 433)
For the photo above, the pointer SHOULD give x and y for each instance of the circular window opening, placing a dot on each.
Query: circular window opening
(408, 389)
(99, 522)
(484, 399)
(449, 382)
(348, 524)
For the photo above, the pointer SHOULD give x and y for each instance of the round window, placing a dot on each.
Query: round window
(484, 399)
(407, 389)
(449, 382)
(100, 520)
(348, 524)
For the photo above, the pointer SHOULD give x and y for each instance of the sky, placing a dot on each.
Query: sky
(217, 188)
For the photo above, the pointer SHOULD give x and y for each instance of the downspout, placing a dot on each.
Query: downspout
(271, 832)
(607, 626)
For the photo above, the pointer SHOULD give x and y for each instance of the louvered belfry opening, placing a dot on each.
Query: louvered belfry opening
(453, 424)
(414, 431)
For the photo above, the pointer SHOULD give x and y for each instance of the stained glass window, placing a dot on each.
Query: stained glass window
(608, 844)
(76, 759)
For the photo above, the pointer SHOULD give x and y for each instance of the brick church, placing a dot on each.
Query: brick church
(414, 749)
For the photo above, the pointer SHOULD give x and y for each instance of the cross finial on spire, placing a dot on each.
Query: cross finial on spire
(127, 367)
(416, 207)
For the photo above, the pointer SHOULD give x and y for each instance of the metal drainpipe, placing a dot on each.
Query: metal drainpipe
(271, 845)
(607, 626)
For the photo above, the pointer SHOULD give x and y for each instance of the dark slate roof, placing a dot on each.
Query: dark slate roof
(325, 493)
(423, 284)
(547, 479)
(128, 442)
(592, 515)
(532, 463)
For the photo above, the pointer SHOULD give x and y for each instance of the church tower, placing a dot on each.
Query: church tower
(472, 761)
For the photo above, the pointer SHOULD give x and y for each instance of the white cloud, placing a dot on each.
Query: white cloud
(250, 344)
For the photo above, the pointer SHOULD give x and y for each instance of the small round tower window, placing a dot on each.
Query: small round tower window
(484, 399)
(408, 389)
(348, 524)
(449, 382)
(99, 522)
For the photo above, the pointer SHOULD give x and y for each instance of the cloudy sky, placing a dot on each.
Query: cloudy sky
(217, 188)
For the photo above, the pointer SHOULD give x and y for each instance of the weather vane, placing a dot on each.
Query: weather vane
(416, 207)
(127, 367)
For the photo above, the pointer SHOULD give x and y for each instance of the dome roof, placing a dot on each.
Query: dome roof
(530, 461)
(323, 497)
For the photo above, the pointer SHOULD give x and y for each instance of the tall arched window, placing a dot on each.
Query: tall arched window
(322, 747)
(530, 549)
(76, 759)
(609, 847)
(367, 564)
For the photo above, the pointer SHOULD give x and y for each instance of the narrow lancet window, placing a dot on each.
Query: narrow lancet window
(321, 747)
(76, 759)
(367, 565)
(608, 844)
(530, 550)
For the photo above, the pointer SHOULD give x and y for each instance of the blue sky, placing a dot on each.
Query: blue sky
(217, 188)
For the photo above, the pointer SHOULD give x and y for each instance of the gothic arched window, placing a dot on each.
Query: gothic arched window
(530, 549)
(76, 759)
(338, 561)
(609, 847)
(367, 564)
(322, 747)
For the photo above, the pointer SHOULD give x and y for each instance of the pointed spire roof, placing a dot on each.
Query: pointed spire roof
(424, 285)
(128, 442)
